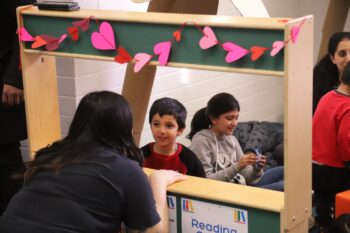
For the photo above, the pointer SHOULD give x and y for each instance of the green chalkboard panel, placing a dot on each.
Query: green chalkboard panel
(141, 37)
(258, 220)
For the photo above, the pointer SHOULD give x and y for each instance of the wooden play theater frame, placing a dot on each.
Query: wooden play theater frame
(268, 211)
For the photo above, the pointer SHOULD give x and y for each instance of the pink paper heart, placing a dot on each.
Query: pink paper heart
(24, 35)
(276, 47)
(209, 38)
(294, 32)
(141, 60)
(62, 38)
(235, 52)
(163, 50)
(104, 39)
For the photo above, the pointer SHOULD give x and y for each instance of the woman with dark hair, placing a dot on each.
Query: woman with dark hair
(331, 148)
(91, 181)
(327, 70)
(219, 151)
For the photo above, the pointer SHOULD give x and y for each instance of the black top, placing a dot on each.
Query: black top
(88, 197)
(12, 119)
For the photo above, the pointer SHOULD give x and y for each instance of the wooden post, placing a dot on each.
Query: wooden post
(41, 97)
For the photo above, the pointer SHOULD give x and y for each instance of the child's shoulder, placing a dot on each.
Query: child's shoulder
(146, 149)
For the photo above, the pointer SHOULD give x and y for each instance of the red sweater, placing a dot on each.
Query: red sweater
(331, 131)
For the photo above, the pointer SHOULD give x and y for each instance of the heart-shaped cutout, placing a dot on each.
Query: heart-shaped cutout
(84, 24)
(235, 52)
(141, 60)
(38, 42)
(123, 56)
(276, 47)
(294, 33)
(104, 39)
(162, 49)
(257, 52)
(73, 33)
(52, 43)
(24, 35)
(209, 38)
(177, 35)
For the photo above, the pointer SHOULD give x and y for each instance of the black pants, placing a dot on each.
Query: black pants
(326, 183)
(11, 172)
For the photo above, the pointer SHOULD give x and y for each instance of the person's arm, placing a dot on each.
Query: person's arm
(159, 180)
(192, 163)
(343, 139)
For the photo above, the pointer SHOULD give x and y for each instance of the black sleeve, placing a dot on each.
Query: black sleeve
(13, 75)
(139, 209)
(146, 151)
(191, 161)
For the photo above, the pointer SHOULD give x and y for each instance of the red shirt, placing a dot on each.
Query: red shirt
(168, 162)
(331, 131)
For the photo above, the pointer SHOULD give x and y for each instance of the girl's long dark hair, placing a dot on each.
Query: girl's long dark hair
(325, 73)
(219, 104)
(103, 119)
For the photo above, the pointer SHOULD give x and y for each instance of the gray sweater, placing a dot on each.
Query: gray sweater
(219, 156)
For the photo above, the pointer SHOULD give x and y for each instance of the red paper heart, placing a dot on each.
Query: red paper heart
(38, 42)
(256, 52)
(283, 20)
(73, 33)
(84, 24)
(123, 56)
(177, 35)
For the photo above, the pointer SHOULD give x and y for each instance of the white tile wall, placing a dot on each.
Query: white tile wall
(261, 97)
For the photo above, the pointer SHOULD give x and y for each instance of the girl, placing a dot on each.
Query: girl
(91, 181)
(327, 70)
(219, 151)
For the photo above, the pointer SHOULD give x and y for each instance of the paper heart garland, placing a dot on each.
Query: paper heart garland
(235, 52)
(141, 60)
(73, 33)
(24, 35)
(83, 24)
(52, 43)
(104, 39)
(276, 47)
(123, 56)
(38, 42)
(294, 32)
(162, 49)
(256, 52)
(209, 38)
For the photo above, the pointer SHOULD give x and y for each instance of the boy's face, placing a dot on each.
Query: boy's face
(165, 130)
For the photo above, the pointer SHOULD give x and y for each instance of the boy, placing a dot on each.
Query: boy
(167, 119)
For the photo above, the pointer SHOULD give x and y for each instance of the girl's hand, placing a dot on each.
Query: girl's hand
(247, 159)
(262, 161)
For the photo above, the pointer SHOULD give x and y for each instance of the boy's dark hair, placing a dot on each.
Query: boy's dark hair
(169, 106)
(345, 75)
